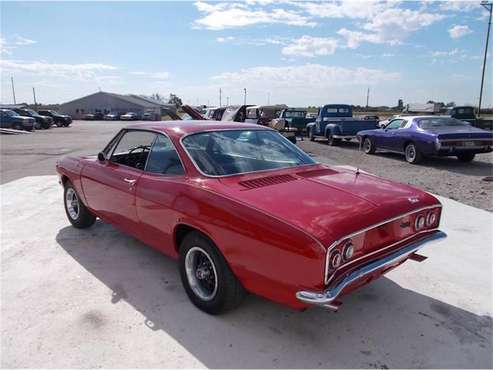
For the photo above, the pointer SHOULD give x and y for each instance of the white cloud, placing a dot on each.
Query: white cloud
(459, 5)
(458, 31)
(219, 16)
(355, 38)
(344, 9)
(445, 53)
(306, 76)
(225, 39)
(308, 46)
(19, 40)
(78, 71)
(153, 75)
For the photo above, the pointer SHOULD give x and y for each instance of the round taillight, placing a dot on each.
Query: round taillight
(348, 250)
(420, 223)
(335, 259)
(431, 218)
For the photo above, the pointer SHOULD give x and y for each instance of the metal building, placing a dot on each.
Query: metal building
(105, 102)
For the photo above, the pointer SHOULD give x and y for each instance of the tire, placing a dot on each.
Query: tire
(332, 141)
(215, 295)
(59, 124)
(412, 154)
(369, 146)
(77, 213)
(310, 134)
(466, 157)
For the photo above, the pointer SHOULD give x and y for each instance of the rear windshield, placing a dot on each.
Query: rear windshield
(295, 114)
(223, 153)
(433, 122)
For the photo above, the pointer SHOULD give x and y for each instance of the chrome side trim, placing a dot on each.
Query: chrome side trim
(328, 296)
(343, 136)
(334, 244)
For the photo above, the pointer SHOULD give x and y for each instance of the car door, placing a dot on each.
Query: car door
(159, 195)
(398, 137)
(109, 185)
(385, 137)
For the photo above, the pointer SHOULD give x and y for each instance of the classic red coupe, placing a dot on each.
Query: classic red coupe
(243, 209)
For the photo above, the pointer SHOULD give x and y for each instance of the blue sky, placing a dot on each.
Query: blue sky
(298, 53)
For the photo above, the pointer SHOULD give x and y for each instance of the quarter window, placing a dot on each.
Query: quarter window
(163, 158)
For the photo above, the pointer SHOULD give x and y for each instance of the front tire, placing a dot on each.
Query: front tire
(413, 155)
(208, 280)
(77, 213)
(466, 157)
(331, 140)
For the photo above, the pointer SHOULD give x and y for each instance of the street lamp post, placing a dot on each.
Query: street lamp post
(488, 5)
(220, 93)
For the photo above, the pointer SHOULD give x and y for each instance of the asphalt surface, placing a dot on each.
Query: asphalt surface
(97, 298)
(36, 154)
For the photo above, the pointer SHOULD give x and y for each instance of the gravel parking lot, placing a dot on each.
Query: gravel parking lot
(36, 154)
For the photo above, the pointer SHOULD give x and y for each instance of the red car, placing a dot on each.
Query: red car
(244, 210)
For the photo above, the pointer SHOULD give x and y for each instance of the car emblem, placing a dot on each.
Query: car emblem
(413, 199)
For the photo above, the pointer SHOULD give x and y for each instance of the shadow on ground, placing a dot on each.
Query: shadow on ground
(379, 326)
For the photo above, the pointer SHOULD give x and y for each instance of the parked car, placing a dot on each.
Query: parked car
(112, 116)
(235, 113)
(335, 122)
(12, 120)
(88, 117)
(129, 116)
(242, 209)
(385, 122)
(58, 118)
(418, 137)
(467, 114)
(294, 118)
(215, 114)
(41, 121)
(263, 114)
(311, 115)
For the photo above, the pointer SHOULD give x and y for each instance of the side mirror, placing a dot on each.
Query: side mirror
(101, 157)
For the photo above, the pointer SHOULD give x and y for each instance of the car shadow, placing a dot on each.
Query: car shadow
(379, 326)
(478, 167)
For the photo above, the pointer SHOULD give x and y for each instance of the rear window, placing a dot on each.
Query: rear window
(427, 123)
(295, 114)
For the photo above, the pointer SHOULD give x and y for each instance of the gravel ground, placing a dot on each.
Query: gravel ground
(447, 177)
(36, 154)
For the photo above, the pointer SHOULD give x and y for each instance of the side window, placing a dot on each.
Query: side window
(394, 124)
(133, 148)
(404, 124)
(163, 158)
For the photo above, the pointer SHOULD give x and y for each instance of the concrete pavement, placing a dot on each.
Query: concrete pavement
(98, 298)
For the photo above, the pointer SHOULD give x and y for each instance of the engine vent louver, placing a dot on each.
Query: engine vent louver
(266, 181)
(317, 173)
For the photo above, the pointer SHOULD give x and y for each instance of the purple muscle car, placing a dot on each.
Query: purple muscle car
(425, 136)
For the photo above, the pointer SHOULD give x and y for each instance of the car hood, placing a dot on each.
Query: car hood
(327, 203)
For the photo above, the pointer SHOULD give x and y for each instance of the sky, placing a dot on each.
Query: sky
(298, 53)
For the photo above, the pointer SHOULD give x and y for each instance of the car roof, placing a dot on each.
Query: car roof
(182, 128)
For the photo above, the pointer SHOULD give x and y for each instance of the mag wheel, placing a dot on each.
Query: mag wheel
(412, 154)
(208, 281)
(77, 213)
(368, 146)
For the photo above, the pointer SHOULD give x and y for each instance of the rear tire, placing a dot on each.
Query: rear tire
(369, 146)
(412, 154)
(310, 134)
(77, 213)
(466, 157)
(206, 276)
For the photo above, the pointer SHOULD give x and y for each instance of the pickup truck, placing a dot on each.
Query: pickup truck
(468, 115)
(335, 122)
(294, 118)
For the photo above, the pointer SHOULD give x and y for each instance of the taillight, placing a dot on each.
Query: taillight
(335, 259)
(420, 222)
(348, 250)
(431, 219)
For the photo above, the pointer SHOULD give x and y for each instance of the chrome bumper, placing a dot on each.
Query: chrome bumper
(328, 296)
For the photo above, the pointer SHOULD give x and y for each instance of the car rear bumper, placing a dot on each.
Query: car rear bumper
(328, 297)
(457, 151)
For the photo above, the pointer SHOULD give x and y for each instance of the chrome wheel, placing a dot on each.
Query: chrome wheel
(201, 273)
(72, 204)
(410, 153)
(367, 145)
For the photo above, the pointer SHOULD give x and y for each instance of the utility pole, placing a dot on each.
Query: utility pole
(220, 93)
(367, 97)
(13, 89)
(227, 101)
(268, 98)
(244, 97)
(488, 5)
(34, 96)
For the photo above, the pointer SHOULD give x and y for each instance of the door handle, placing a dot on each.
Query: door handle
(130, 182)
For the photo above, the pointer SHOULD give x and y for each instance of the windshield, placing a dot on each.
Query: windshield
(434, 122)
(295, 114)
(223, 153)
